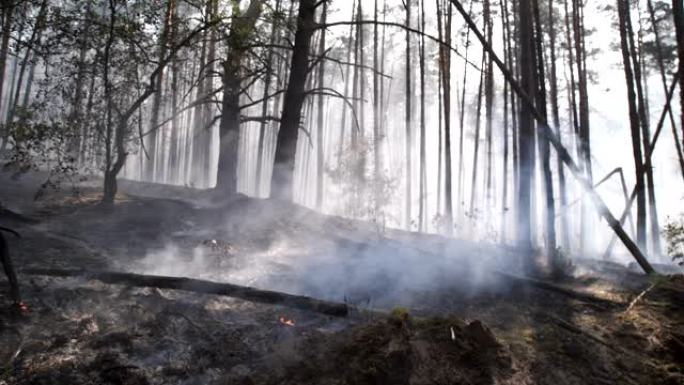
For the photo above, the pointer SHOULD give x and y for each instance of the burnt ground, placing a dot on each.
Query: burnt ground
(428, 310)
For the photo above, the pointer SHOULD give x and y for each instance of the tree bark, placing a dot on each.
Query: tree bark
(343, 122)
(407, 118)
(661, 68)
(242, 27)
(553, 83)
(264, 106)
(645, 134)
(152, 165)
(489, 101)
(544, 149)
(423, 178)
(201, 286)
(678, 16)
(623, 14)
(476, 143)
(283, 169)
(526, 139)
(461, 167)
(377, 136)
(445, 63)
(7, 19)
(320, 124)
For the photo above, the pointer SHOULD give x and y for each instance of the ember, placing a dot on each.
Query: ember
(22, 308)
(286, 321)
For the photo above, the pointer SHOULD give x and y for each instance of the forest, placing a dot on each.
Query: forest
(341, 192)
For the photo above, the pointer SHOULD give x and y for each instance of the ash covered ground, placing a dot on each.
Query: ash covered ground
(426, 310)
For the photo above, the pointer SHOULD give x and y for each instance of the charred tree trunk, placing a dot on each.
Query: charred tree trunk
(207, 115)
(553, 82)
(423, 177)
(320, 129)
(623, 14)
(504, 182)
(527, 124)
(645, 134)
(242, 27)
(440, 107)
(152, 166)
(407, 117)
(7, 19)
(544, 147)
(446, 94)
(476, 143)
(343, 122)
(661, 68)
(489, 101)
(75, 115)
(377, 125)
(174, 158)
(678, 16)
(283, 171)
(461, 169)
(445, 65)
(201, 286)
(264, 105)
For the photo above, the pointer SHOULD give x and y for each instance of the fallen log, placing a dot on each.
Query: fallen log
(544, 285)
(202, 286)
(6, 213)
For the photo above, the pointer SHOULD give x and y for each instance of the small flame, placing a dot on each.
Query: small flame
(22, 308)
(286, 321)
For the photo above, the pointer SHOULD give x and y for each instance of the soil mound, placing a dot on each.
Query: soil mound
(401, 350)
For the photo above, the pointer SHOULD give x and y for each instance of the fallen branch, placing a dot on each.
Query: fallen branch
(202, 286)
(639, 297)
(586, 297)
(575, 329)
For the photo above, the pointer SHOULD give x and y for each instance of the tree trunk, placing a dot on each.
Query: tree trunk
(377, 136)
(489, 101)
(174, 158)
(678, 16)
(75, 116)
(461, 169)
(264, 105)
(283, 169)
(407, 117)
(623, 14)
(544, 149)
(343, 122)
(7, 14)
(476, 143)
(553, 82)
(242, 26)
(110, 186)
(320, 129)
(645, 134)
(440, 107)
(151, 172)
(446, 94)
(661, 68)
(526, 132)
(423, 178)
(201, 286)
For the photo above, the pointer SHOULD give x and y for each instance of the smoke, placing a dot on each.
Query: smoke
(328, 258)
